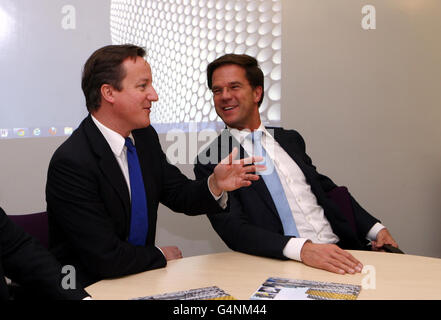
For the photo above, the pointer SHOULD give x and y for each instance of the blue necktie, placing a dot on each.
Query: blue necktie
(275, 187)
(139, 216)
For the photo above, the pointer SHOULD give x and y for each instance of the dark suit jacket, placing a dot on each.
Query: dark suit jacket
(29, 264)
(88, 203)
(253, 225)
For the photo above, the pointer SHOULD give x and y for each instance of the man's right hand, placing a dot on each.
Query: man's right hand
(171, 253)
(329, 257)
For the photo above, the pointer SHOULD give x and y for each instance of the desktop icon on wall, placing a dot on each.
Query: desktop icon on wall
(52, 131)
(4, 133)
(37, 132)
(20, 132)
(68, 131)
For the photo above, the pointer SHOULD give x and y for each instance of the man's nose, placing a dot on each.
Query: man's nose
(226, 94)
(153, 96)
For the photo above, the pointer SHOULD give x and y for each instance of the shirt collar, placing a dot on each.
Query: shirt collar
(240, 135)
(114, 139)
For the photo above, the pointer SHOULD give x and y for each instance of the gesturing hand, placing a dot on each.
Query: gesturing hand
(232, 174)
(329, 257)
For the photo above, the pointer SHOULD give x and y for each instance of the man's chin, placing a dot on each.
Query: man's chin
(143, 124)
(233, 124)
(229, 121)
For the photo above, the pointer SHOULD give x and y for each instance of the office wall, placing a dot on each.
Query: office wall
(369, 106)
(367, 103)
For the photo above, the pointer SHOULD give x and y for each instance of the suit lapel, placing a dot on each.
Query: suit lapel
(288, 145)
(292, 149)
(226, 144)
(107, 162)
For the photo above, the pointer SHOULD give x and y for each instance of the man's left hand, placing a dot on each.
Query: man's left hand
(383, 237)
(232, 174)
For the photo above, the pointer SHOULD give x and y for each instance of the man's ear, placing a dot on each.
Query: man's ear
(107, 93)
(257, 94)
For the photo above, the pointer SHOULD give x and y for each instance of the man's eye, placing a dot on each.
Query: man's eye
(216, 92)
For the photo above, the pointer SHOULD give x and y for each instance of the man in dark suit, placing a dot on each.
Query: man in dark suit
(287, 214)
(30, 265)
(105, 182)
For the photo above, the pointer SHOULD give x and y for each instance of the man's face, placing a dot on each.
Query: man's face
(133, 103)
(236, 102)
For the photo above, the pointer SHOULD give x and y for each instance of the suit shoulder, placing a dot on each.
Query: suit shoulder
(148, 134)
(148, 131)
(76, 149)
(289, 132)
(292, 135)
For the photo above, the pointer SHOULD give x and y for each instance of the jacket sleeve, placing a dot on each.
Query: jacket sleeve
(29, 264)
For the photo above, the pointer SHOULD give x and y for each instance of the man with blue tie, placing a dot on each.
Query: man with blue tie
(105, 182)
(288, 213)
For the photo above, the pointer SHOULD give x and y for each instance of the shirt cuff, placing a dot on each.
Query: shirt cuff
(160, 250)
(222, 199)
(372, 234)
(293, 248)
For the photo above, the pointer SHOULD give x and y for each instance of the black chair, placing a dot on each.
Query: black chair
(341, 197)
(36, 224)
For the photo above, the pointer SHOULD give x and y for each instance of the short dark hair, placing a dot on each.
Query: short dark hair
(105, 67)
(253, 72)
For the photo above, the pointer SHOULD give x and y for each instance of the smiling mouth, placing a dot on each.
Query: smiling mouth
(229, 108)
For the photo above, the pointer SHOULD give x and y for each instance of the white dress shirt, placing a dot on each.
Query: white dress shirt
(308, 215)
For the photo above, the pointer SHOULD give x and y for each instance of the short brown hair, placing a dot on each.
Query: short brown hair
(253, 72)
(105, 67)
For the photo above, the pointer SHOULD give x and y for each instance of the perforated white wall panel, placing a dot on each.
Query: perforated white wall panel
(183, 36)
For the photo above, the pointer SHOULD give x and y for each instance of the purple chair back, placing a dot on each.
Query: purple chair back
(341, 197)
(35, 224)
